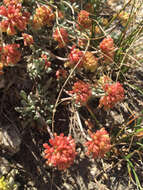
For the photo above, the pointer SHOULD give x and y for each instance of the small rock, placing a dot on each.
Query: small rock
(4, 166)
(91, 186)
(124, 106)
(118, 118)
(67, 186)
(93, 171)
(31, 183)
(9, 139)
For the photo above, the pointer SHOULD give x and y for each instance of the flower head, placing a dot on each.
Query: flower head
(99, 144)
(14, 18)
(44, 15)
(76, 57)
(61, 153)
(84, 22)
(82, 92)
(107, 47)
(12, 2)
(114, 94)
(46, 61)
(10, 54)
(28, 39)
(61, 36)
(124, 17)
(90, 62)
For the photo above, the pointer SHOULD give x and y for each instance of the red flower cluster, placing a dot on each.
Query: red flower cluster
(114, 94)
(107, 47)
(13, 18)
(82, 92)
(44, 16)
(84, 22)
(12, 2)
(28, 39)
(10, 54)
(76, 57)
(61, 153)
(99, 145)
(61, 36)
(90, 61)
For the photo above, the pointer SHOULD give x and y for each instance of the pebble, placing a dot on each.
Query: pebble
(118, 118)
(4, 166)
(9, 139)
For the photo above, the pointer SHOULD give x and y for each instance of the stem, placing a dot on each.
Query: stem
(94, 117)
(45, 124)
(80, 126)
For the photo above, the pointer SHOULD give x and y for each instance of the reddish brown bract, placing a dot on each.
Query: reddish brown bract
(114, 94)
(44, 16)
(90, 62)
(82, 92)
(61, 36)
(12, 2)
(84, 21)
(76, 57)
(47, 63)
(99, 144)
(61, 153)
(28, 39)
(10, 54)
(14, 18)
